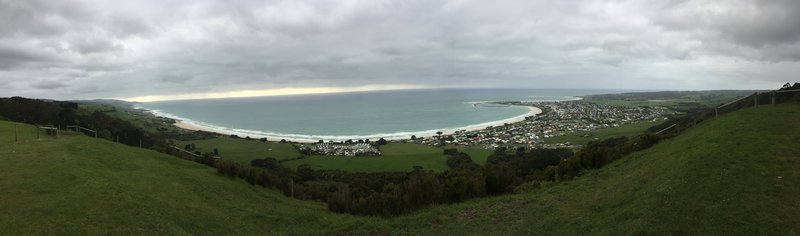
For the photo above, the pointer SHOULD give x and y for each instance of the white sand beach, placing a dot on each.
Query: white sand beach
(189, 125)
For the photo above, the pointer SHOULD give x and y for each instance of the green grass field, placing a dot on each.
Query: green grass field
(243, 151)
(400, 157)
(600, 134)
(735, 175)
(80, 185)
(396, 157)
(638, 103)
(701, 98)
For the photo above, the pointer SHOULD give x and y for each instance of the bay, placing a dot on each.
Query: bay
(377, 114)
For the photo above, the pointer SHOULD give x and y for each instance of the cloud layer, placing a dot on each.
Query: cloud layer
(114, 49)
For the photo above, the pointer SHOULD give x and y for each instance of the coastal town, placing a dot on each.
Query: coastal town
(339, 149)
(558, 118)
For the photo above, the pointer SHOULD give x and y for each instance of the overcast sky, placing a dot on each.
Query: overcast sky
(183, 49)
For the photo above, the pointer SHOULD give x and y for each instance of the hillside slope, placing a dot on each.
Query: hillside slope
(78, 185)
(733, 175)
(737, 174)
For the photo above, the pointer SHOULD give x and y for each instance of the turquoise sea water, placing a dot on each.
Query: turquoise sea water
(380, 114)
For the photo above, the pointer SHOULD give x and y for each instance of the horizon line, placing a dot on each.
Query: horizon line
(335, 90)
(271, 92)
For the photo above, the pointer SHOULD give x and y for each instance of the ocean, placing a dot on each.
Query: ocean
(361, 115)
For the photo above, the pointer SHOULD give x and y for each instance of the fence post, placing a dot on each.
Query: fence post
(716, 112)
(37, 133)
(756, 98)
(16, 138)
(773, 97)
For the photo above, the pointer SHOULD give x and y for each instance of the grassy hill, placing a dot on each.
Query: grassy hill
(732, 175)
(79, 185)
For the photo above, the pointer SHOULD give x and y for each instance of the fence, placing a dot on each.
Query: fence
(756, 99)
(11, 133)
(83, 129)
(23, 132)
(184, 154)
(93, 133)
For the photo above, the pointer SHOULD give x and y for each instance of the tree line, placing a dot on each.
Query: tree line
(393, 193)
(62, 114)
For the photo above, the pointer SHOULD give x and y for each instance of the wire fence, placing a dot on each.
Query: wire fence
(18, 133)
(11, 132)
(84, 130)
(183, 154)
(26, 132)
(769, 98)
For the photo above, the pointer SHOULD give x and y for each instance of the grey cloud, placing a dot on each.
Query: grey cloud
(48, 85)
(11, 57)
(761, 25)
(39, 18)
(88, 45)
(123, 49)
(179, 78)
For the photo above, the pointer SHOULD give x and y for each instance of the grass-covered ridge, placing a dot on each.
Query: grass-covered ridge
(731, 175)
(80, 185)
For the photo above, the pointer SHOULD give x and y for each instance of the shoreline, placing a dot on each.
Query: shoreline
(403, 135)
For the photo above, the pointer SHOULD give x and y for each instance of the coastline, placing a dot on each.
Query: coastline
(193, 126)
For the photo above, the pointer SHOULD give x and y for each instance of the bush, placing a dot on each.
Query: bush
(267, 163)
(461, 160)
(450, 151)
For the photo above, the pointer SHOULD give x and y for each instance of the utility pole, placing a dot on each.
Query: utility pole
(140, 143)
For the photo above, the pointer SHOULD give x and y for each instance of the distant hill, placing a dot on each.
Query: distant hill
(112, 102)
(736, 174)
